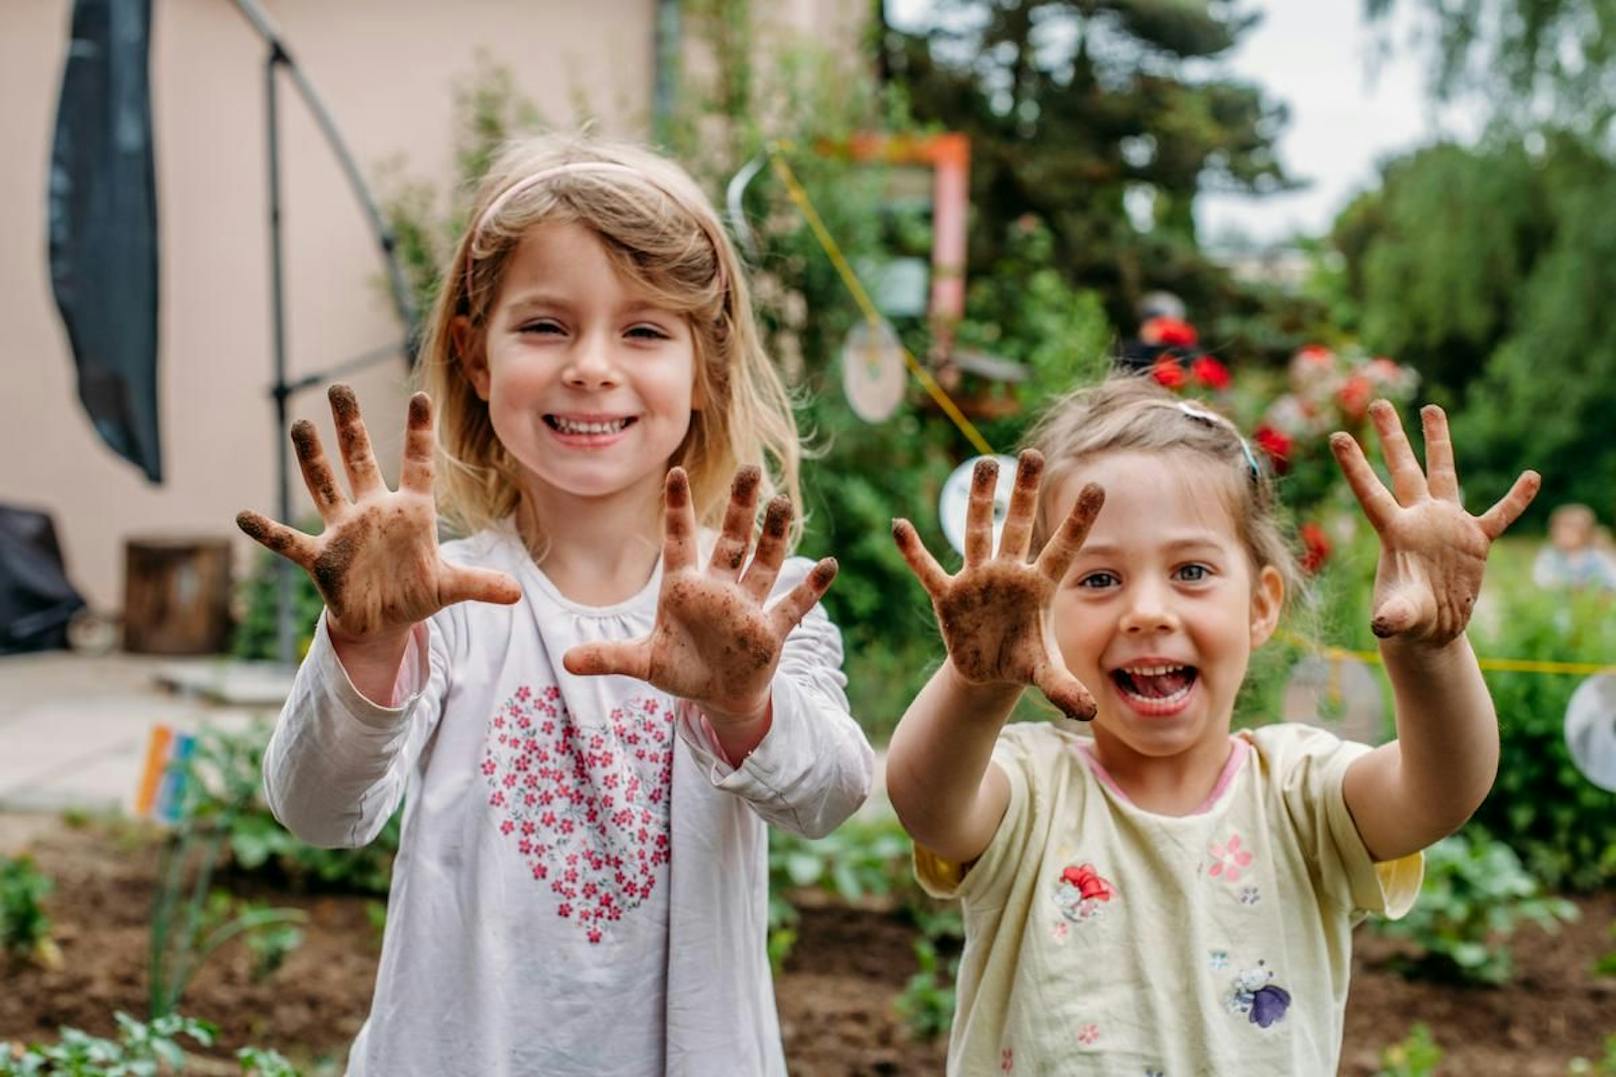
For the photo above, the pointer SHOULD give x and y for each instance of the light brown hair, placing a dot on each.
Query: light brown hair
(1131, 413)
(661, 233)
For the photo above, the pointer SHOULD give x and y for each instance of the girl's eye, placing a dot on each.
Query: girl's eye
(1095, 581)
(542, 326)
(647, 332)
(1194, 573)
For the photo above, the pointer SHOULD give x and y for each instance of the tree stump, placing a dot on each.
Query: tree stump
(176, 595)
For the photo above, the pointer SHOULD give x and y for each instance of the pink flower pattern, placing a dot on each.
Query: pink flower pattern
(1229, 859)
(587, 806)
(1088, 1035)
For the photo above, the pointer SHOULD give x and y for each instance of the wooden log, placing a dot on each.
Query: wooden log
(176, 595)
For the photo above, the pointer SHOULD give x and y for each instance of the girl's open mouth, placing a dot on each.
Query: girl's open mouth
(1156, 689)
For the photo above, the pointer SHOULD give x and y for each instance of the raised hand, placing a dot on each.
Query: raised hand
(376, 563)
(994, 613)
(1432, 552)
(713, 642)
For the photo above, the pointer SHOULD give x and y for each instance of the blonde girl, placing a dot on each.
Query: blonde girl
(1165, 896)
(589, 706)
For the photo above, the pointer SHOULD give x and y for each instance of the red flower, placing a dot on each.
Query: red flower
(1315, 547)
(1088, 882)
(1209, 372)
(1170, 332)
(1354, 396)
(1275, 445)
(1167, 372)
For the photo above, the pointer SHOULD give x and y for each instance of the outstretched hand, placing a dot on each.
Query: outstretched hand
(713, 642)
(1432, 552)
(376, 563)
(994, 613)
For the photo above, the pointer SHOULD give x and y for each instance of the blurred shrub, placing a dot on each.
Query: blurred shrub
(24, 927)
(1562, 825)
(1416, 1055)
(1474, 895)
(257, 633)
(226, 787)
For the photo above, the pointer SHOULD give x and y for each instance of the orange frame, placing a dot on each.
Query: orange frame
(949, 156)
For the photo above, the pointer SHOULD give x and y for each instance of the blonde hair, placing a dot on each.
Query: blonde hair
(1573, 512)
(661, 233)
(1131, 413)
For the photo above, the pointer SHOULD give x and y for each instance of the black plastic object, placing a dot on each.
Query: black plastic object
(36, 599)
(102, 212)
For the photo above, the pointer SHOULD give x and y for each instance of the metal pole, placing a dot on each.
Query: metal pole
(402, 300)
(282, 391)
(285, 644)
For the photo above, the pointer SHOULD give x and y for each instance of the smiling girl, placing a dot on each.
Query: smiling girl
(589, 707)
(1165, 896)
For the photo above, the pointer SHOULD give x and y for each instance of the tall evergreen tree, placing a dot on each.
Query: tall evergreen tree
(1104, 118)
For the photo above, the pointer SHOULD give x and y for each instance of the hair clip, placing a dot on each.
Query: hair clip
(1201, 414)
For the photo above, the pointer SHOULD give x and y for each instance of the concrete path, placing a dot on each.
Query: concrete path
(74, 729)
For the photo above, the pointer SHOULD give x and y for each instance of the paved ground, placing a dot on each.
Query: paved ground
(73, 728)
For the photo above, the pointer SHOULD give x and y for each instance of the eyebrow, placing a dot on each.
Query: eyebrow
(550, 300)
(1185, 543)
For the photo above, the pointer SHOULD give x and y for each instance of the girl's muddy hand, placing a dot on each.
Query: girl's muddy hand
(1432, 552)
(714, 643)
(376, 562)
(994, 613)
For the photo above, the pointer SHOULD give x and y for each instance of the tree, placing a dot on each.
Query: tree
(1436, 257)
(1487, 269)
(1533, 62)
(1085, 114)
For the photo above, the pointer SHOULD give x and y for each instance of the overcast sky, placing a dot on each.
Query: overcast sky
(1314, 55)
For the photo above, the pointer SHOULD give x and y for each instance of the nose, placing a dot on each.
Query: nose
(590, 364)
(1149, 610)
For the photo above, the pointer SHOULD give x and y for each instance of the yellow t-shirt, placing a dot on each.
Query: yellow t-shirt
(1101, 938)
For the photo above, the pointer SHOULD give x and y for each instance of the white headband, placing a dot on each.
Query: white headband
(527, 183)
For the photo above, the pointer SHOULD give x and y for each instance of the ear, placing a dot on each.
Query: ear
(473, 358)
(1267, 600)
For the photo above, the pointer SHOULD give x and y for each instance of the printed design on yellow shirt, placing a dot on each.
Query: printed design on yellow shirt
(1230, 859)
(1255, 996)
(1082, 894)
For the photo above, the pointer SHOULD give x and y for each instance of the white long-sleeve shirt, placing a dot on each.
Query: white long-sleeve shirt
(581, 885)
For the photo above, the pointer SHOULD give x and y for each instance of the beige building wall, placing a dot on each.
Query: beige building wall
(387, 70)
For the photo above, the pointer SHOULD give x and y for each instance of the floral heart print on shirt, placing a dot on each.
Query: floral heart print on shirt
(587, 805)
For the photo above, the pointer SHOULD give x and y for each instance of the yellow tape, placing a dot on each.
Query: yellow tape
(1496, 665)
(850, 279)
(827, 243)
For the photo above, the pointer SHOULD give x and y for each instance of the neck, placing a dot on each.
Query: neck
(1166, 785)
(596, 550)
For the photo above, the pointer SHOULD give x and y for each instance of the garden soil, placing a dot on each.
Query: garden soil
(836, 995)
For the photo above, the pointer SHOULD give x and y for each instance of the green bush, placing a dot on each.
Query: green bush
(257, 636)
(928, 999)
(24, 927)
(226, 786)
(1417, 1055)
(142, 1049)
(1562, 825)
(1475, 893)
